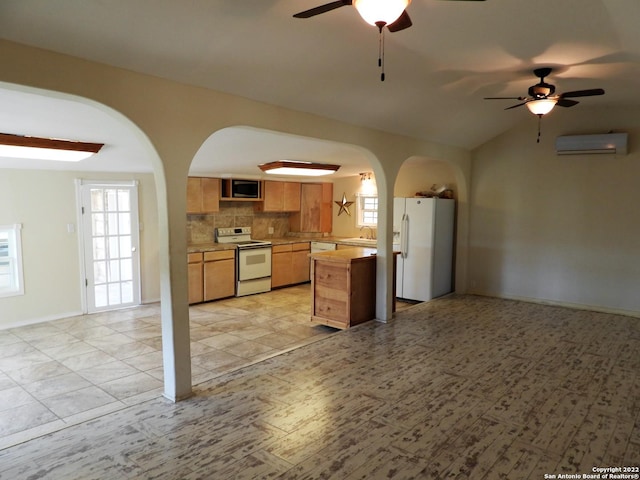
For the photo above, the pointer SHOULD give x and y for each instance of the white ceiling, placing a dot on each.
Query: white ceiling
(438, 71)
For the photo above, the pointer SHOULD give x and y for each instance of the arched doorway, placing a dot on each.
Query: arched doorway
(64, 364)
(420, 175)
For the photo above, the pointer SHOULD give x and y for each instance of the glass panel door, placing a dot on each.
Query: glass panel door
(110, 222)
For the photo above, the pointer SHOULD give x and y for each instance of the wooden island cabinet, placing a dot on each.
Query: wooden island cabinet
(343, 287)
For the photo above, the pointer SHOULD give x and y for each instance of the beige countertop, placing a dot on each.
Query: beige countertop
(210, 247)
(214, 246)
(347, 255)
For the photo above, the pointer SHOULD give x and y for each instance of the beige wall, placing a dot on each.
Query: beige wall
(345, 225)
(561, 229)
(415, 175)
(44, 202)
(419, 174)
(175, 119)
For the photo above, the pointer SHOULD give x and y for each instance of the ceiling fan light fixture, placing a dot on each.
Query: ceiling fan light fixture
(295, 167)
(37, 148)
(375, 12)
(542, 106)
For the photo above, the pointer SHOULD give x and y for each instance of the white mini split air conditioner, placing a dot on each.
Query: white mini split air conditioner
(612, 143)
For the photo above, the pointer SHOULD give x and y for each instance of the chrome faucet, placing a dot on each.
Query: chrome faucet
(370, 236)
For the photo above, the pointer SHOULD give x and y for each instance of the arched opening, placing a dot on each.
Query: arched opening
(420, 178)
(235, 153)
(65, 364)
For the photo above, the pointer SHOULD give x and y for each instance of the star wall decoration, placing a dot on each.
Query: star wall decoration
(344, 205)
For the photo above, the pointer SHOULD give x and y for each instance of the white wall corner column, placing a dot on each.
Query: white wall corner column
(384, 260)
(176, 347)
(176, 354)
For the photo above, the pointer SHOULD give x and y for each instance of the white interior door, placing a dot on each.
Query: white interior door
(110, 232)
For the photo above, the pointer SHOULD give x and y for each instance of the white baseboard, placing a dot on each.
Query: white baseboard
(33, 321)
(557, 303)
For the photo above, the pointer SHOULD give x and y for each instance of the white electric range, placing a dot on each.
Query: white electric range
(253, 260)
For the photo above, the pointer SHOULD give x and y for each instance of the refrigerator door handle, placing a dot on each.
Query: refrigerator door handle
(404, 236)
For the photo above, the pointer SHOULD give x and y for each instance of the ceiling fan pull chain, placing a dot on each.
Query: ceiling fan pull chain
(380, 26)
(539, 122)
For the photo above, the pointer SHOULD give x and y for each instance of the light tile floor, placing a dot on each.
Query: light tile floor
(461, 387)
(62, 372)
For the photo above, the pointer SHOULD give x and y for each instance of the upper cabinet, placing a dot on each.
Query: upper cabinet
(315, 214)
(203, 195)
(279, 197)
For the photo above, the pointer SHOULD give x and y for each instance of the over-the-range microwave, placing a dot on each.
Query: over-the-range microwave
(236, 188)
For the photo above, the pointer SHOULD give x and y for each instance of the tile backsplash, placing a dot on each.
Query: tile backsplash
(200, 228)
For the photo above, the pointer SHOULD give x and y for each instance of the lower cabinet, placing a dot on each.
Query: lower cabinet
(219, 274)
(290, 264)
(196, 280)
(212, 275)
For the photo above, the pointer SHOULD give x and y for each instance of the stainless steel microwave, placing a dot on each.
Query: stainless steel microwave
(245, 188)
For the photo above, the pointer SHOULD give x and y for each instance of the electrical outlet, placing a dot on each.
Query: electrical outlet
(270, 230)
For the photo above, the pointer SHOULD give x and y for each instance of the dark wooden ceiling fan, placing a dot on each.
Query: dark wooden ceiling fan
(380, 13)
(544, 91)
(402, 22)
(542, 98)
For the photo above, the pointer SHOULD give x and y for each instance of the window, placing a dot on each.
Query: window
(10, 261)
(367, 210)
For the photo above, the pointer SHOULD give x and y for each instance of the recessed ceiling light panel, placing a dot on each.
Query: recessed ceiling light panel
(294, 167)
(37, 148)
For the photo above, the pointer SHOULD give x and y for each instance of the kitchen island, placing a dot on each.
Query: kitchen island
(343, 287)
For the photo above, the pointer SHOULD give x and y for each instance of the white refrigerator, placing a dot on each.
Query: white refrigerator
(423, 233)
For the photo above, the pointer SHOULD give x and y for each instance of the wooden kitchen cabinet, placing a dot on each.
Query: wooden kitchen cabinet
(196, 279)
(280, 197)
(219, 274)
(300, 262)
(316, 211)
(289, 264)
(203, 195)
(326, 208)
(343, 287)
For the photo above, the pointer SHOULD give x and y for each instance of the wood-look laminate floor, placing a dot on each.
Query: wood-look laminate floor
(460, 387)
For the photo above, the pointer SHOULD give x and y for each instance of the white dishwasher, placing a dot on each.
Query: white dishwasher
(322, 246)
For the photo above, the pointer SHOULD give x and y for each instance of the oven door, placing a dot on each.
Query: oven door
(254, 263)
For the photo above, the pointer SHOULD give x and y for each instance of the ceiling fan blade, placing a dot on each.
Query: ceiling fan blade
(312, 12)
(505, 98)
(401, 23)
(583, 93)
(514, 106)
(565, 102)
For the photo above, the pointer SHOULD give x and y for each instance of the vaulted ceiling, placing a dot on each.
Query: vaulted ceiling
(437, 71)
